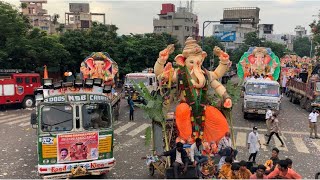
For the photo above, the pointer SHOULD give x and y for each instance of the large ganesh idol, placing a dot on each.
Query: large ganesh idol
(194, 116)
(99, 65)
(259, 61)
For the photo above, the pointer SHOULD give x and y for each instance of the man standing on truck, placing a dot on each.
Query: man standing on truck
(313, 117)
(196, 154)
(284, 84)
(179, 158)
(268, 118)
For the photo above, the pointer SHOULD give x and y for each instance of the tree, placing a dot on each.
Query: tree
(315, 29)
(139, 51)
(252, 39)
(302, 46)
(12, 23)
(209, 44)
(277, 48)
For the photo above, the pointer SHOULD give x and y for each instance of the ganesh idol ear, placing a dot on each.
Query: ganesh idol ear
(180, 60)
(251, 58)
(267, 59)
(204, 55)
(89, 62)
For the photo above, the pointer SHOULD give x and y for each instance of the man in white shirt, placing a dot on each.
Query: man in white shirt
(253, 144)
(284, 83)
(196, 154)
(225, 149)
(313, 117)
(268, 118)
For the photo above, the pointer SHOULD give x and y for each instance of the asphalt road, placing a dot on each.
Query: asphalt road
(18, 157)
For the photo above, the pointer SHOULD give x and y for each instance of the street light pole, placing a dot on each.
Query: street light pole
(204, 27)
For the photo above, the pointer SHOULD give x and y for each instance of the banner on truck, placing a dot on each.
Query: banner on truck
(78, 147)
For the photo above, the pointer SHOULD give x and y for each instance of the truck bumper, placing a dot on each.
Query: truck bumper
(56, 171)
(255, 111)
(259, 111)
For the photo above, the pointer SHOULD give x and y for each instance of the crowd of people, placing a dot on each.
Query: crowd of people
(227, 166)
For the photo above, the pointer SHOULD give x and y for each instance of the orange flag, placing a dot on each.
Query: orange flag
(45, 73)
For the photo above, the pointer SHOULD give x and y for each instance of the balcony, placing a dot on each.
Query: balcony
(42, 11)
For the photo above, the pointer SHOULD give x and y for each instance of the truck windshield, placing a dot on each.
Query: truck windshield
(56, 118)
(262, 90)
(137, 80)
(318, 86)
(96, 116)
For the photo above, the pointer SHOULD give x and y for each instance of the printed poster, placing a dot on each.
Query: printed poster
(78, 147)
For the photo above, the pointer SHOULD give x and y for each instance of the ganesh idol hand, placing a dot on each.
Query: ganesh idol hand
(164, 54)
(227, 103)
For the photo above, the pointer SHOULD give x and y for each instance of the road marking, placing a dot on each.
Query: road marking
(316, 144)
(241, 139)
(301, 147)
(125, 145)
(17, 121)
(284, 132)
(117, 123)
(138, 130)
(262, 141)
(25, 124)
(124, 127)
(7, 116)
(278, 143)
(14, 118)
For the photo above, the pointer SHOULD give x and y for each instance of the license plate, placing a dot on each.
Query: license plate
(261, 111)
(78, 171)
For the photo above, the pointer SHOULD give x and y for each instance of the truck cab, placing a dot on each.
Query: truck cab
(149, 79)
(17, 88)
(259, 94)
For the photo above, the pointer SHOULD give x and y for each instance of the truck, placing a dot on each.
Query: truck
(305, 92)
(263, 92)
(149, 79)
(259, 95)
(18, 88)
(74, 123)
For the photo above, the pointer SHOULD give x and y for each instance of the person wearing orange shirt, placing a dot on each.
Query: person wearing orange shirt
(225, 168)
(283, 172)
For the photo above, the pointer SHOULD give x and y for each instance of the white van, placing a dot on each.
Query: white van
(149, 80)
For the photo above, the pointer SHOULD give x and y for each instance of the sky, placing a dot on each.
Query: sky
(137, 16)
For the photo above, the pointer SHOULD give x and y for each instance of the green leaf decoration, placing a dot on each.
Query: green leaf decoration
(148, 136)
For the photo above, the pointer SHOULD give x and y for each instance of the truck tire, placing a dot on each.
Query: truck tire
(308, 106)
(303, 102)
(28, 102)
(291, 97)
(245, 115)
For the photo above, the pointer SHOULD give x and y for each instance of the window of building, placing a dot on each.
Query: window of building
(176, 28)
(30, 10)
(45, 28)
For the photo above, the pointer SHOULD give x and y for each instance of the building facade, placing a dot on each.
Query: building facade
(80, 17)
(38, 16)
(236, 23)
(181, 23)
(300, 31)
